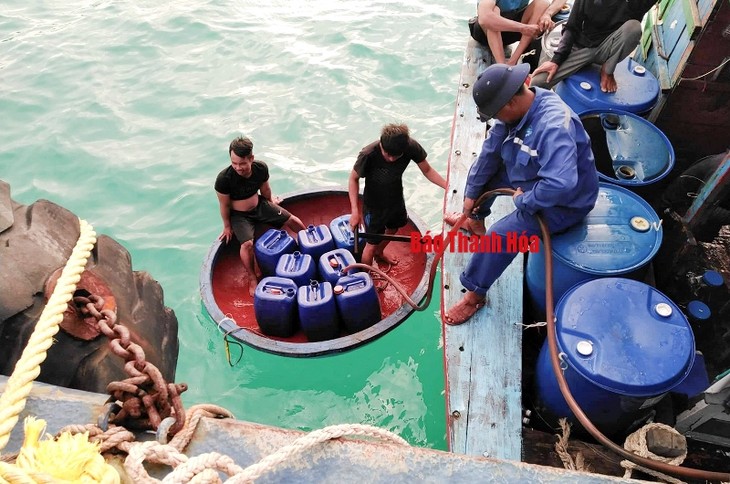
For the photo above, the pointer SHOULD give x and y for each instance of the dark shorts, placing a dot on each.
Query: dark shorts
(376, 221)
(512, 37)
(244, 223)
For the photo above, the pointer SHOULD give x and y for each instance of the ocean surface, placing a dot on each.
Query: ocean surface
(122, 112)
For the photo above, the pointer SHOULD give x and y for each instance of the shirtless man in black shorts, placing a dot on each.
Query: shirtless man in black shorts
(382, 164)
(244, 195)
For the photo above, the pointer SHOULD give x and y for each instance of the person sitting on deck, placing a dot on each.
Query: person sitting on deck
(537, 147)
(382, 164)
(597, 31)
(505, 22)
(245, 200)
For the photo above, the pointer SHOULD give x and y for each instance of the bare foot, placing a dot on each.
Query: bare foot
(469, 225)
(462, 311)
(384, 259)
(252, 283)
(608, 82)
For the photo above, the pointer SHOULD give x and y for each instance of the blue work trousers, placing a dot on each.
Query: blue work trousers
(485, 267)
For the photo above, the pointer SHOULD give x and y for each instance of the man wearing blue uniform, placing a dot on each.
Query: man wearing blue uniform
(508, 21)
(539, 148)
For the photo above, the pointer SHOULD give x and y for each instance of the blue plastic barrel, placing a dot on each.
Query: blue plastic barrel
(624, 346)
(270, 247)
(638, 89)
(342, 233)
(275, 306)
(332, 262)
(315, 240)
(357, 301)
(618, 237)
(298, 267)
(318, 311)
(629, 150)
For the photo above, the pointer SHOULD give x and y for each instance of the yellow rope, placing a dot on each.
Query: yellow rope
(27, 369)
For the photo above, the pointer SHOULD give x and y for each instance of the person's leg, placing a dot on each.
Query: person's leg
(368, 253)
(531, 15)
(576, 60)
(617, 46)
(374, 224)
(484, 268)
(494, 38)
(244, 230)
(396, 218)
(294, 224)
(271, 214)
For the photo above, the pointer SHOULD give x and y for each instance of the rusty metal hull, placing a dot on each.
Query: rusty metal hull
(330, 462)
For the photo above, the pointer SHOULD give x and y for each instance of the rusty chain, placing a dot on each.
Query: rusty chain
(145, 399)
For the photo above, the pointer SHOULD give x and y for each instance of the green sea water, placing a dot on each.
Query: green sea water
(122, 111)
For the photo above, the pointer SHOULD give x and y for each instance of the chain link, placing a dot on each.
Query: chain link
(145, 398)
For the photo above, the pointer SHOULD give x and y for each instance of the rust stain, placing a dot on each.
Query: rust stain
(74, 323)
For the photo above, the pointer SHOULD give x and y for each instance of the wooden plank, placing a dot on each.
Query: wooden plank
(483, 356)
(713, 191)
(692, 17)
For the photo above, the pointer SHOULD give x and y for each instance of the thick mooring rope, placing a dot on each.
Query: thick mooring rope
(636, 443)
(27, 369)
(196, 469)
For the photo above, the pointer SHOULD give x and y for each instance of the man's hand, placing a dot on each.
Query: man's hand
(532, 30)
(550, 67)
(355, 220)
(226, 235)
(545, 23)
(517, 193)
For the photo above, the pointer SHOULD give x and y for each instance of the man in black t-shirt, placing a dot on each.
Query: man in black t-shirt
(598, 31)
(245, 200)
(382, 164)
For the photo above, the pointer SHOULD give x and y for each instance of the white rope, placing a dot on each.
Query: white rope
(636, 443)
(198, 468)
(310, 440)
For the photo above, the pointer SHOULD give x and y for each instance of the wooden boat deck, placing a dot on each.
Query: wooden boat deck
(482, 357)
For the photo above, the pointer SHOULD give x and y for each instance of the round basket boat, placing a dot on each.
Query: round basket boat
(225, 295)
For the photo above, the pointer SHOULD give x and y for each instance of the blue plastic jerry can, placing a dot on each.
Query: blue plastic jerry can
(318, 312)
(275, 306)
(357, 301)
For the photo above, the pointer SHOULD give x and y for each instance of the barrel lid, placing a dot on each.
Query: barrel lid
(713, 278)
(621, 234)
(698, 310)
(637, 92)
(624, 336)
(639, 152)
